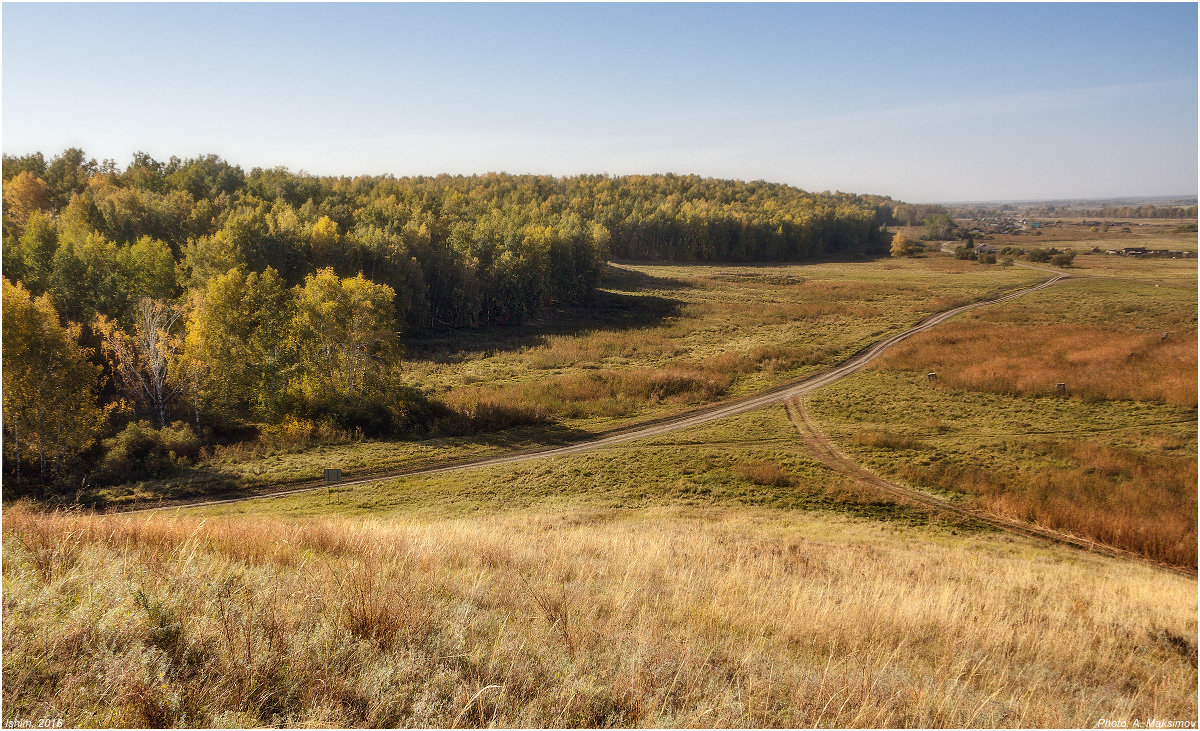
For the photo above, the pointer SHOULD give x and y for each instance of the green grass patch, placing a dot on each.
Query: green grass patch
(751, 460)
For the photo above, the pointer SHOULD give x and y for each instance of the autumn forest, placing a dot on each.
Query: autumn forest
(153, 309)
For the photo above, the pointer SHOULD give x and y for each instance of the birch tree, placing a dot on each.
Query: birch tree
(143, 361)
(340, 326)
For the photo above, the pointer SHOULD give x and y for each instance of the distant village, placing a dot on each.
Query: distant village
(1143, 251)
(999, 225)
(1008, 226)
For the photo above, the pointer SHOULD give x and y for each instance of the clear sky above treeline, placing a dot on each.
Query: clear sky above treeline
(923, 102)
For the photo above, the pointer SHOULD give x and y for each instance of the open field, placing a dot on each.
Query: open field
(1151, 233)
(661, 339)
(730, 330)
(1115, 461)
(1134, 268)
(750, 460)
(1103, 338)
(673, 617)
(720, 575)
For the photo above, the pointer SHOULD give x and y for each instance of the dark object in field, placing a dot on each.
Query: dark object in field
(333, 475)
(1060, 389)
(932, 377)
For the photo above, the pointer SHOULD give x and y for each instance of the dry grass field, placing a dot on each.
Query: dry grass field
(668, 617)
(1115, 461)
(1062, 233)
(1094, 362)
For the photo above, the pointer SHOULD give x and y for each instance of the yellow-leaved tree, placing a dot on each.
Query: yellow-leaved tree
(236, 353)
(23, 195)
(50, 410)
(326, 240)
(900, 245)
(343, 329)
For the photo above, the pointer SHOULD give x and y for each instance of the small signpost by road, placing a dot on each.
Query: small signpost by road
(332, 476)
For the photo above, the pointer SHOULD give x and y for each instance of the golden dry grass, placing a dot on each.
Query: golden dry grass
(611, 393)
(580, 619)
(1094, 362)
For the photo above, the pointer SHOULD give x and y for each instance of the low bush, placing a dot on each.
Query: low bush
(140, 451)
(1063, 259)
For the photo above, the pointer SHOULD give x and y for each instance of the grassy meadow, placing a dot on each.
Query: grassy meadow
(753, 460)
(1114, 461)
(724, 331)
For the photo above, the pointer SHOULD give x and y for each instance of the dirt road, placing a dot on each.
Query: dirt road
(643, 430)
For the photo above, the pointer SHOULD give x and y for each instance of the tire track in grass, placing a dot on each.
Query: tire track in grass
(824, 450)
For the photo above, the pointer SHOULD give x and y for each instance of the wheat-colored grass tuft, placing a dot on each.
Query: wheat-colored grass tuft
(722, 619)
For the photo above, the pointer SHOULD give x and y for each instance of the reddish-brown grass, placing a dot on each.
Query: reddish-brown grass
(1140, 502)
(1093, 362)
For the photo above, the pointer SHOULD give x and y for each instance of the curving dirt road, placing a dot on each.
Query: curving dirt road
(776, 395)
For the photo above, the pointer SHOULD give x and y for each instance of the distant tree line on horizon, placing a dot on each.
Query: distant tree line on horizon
(193, 291)
(1066, 211)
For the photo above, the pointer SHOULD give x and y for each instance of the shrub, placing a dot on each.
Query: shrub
(1038, 255)
(140, 451)
(401, 411)
(1063, 259)
(988, 259)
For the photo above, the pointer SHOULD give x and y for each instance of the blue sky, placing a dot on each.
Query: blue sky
(923, 102)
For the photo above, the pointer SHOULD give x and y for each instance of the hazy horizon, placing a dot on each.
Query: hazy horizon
(924, 103)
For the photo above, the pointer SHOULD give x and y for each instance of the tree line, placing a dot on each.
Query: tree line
(191, 290)
(1077, 211)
